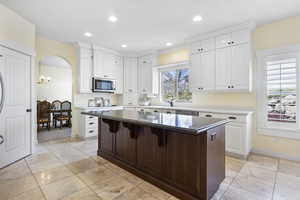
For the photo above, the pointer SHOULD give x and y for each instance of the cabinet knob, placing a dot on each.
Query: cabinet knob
(231, 117)
(208, 115)
(228, 86)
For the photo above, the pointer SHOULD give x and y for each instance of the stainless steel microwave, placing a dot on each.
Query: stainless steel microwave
(104, 85)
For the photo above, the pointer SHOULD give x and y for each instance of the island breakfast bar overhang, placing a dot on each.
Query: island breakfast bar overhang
(183, 155)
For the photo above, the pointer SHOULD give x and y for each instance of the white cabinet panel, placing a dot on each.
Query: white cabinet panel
(98, 63)
(203, 71)
(223, 68)
(118, 69)
(145, 74)
(234, 138)
(84, 70)
(130, 75)
(240, 66)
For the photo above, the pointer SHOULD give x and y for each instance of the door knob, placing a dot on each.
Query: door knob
(1, 139)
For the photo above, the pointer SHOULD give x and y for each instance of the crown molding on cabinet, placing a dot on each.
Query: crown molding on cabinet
(17, 47)
(247, 25)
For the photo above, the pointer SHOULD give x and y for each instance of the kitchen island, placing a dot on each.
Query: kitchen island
(181, 154)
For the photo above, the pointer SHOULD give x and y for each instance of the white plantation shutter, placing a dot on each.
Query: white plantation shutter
(281, 85)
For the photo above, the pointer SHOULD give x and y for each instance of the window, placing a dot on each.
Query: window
(281, 81)
(174, 84)
(278, 92)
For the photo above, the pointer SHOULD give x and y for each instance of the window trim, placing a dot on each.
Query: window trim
(264, 127)
(173, 66)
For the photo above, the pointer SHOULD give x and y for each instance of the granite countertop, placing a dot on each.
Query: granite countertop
(183, 123)
(213, 109)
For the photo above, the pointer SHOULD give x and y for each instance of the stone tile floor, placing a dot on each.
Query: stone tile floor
(69, 169)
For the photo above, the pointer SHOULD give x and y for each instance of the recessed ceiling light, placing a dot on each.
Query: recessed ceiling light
(124, 45)
(88, 34)
(197, 18)
(169, 44)
(113, 18)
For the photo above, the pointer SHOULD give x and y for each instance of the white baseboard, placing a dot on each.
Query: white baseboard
(276, 155)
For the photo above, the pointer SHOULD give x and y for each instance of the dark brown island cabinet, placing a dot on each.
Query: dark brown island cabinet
(183, 155)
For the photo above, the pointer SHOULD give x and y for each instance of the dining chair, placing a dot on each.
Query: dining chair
(65, 114)
(55, 109)
(43, 115)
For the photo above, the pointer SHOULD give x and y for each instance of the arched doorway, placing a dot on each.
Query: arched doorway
(54, 86)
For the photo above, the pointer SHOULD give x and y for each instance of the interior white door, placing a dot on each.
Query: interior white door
(14, 120)
(223, 68)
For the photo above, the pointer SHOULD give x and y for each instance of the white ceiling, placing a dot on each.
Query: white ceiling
(144, 24)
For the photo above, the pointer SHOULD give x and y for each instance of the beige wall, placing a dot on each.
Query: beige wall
(277, 34)
(60, 86)
(16, 29)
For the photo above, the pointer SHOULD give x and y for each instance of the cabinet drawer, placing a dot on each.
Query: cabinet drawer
(89, 119)
(232, 118)
(91, 132)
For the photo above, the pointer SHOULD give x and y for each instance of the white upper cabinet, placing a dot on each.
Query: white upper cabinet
(145, 64)
(84, 60)
(233, 61)
(222, 63)
(130, 74)
(202, 71)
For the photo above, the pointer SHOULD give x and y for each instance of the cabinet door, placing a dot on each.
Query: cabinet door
(203, 71)
(98, 64)
(240, 66)
(223, 68)
(150, 151)
(195, 83)
(126, 143)
(108, 68)
(240, 37)
(107, 137)
(145, 74)
(85, 71)
(234, 138)
(118, 73)
(130, 75)
(182, 160)
(223, 41)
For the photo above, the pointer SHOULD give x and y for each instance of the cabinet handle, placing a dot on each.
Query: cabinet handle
(155, 111)
(231, 117)
(228, 43)
(229, 86)
(200, 88)
(232, 86)
(2, 139)
(91, 117)
(168, 112)
(232, 42)
(105, 76)
(208, 115)
(213, 136)
(91, 131)
(91, 123)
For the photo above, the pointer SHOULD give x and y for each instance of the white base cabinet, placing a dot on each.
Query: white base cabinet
(238, 132)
